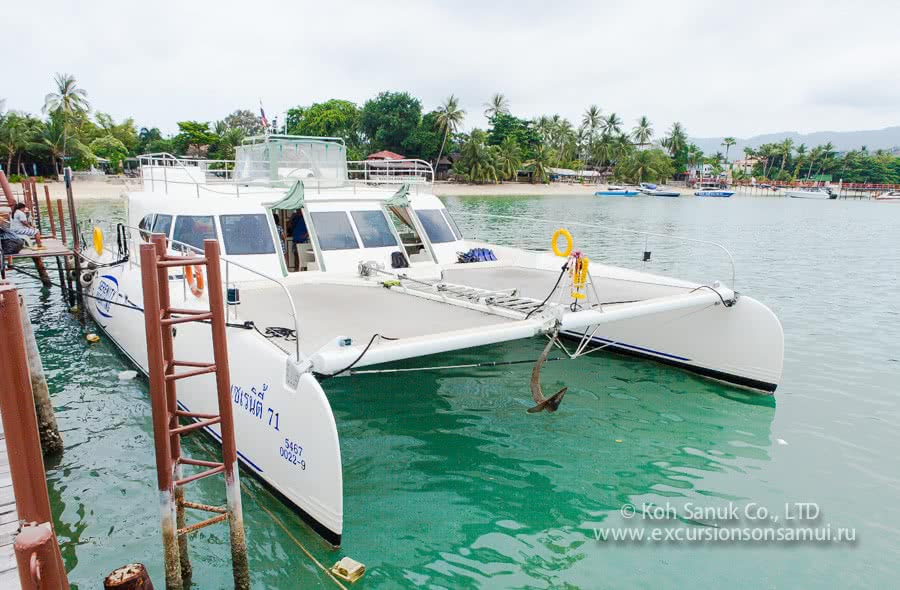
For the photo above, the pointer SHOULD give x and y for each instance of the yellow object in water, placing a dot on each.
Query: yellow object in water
(98, 240)
(92, 338)
(348, 569)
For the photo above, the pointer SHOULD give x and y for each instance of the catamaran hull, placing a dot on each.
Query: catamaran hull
(742, 345)
(284, 427)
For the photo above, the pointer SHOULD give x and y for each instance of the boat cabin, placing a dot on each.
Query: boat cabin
(295, 204)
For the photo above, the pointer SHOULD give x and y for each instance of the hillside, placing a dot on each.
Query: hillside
(874, 139)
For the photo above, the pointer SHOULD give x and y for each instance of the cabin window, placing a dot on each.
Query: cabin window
(452, 223)
(373, 228)
(435, 226)
(193, 229)
(246, 234)
(334, 231)
(146, 226)
(162, 224)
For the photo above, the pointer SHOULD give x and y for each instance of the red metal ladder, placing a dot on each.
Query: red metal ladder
(160, 318)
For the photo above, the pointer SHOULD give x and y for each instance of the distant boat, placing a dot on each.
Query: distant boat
(889, 196)
(654, 191)
(616, 191)
(712, 190)
(811, 193)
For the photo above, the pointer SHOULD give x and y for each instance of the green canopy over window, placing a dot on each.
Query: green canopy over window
(292, 200)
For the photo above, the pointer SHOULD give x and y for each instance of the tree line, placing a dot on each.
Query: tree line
(69, 132)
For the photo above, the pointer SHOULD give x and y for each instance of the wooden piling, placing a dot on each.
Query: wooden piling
(76, 244)
(7, 190)
(50, 211)
(36, 206)
(62, 222)
(51, 440)
(26, 463)
(133, 576)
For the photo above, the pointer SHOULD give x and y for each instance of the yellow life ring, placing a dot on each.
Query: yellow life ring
(98, 240)
(564, 233)
(194, 280)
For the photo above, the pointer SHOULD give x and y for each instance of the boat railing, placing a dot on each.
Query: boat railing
(136, 236)
(164, 172)
(522, 230)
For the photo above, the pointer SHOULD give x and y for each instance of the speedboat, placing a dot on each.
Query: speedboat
(888, 196)
(712, 190)
(616, 191)
(654, 191)
(386, 276)
(820, 192)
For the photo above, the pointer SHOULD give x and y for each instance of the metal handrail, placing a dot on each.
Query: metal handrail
(613, 228)
(228, 260)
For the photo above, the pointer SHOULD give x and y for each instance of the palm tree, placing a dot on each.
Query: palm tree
(728, 142)
(612, 124)
(54, 141)
(590, 123)
(540, 164)
(677, 139)
(477, 160)
(449, 117)
(509, 158)
(496, 106)
(642, 132)
(68, 100)
(16, 133)
(785, 148)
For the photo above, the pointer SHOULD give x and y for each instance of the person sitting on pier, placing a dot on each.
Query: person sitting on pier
(20, 225)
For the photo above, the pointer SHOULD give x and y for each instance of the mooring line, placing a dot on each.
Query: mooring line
(291, 536)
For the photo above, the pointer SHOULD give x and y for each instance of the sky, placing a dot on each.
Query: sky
(719, 67)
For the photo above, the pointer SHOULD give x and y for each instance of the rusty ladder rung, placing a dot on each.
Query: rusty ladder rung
(198, 462)
(194, 373)
(201, 475)
(205, 507)
(201, 524)
(183, 320)
(173, 262)
(183, 414)
(194, 426)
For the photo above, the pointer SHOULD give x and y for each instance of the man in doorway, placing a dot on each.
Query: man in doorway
(300, 235)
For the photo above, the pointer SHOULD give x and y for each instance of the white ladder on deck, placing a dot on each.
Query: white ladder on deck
(507, 298)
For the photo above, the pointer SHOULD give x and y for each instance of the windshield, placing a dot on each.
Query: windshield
(452, 223)
(334, 231)
(246, 234)
(435, 226)
(373, 228)
(193, 229)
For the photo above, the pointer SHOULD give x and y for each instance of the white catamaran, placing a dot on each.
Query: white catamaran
(385, 275)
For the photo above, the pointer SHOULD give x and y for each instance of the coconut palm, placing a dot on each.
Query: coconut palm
(509, 158)
(612, 124)
(67, 101)
(498, 105)
(449, 117)
(728, 142)
(477, 161)
(540, 164)
(590, 126)
(16, 133)
(676, 141)
(785, 148)
(642, 132)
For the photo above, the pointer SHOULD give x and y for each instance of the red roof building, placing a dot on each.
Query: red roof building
(384, 155)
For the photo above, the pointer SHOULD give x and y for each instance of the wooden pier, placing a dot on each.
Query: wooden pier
(9, 522)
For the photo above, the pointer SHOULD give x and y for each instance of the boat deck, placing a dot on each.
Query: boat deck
(326, 311)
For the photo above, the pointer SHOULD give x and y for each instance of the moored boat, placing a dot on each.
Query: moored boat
(712, 190)
(819, 192)
(888, 196)
(381, 273)
(655, 191)
(616, 191)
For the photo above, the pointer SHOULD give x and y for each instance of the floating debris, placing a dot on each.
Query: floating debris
(127, 375)
(92, 338)
(348, 569)
(781, 441)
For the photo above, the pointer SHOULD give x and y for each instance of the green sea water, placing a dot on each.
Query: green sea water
(448, 483)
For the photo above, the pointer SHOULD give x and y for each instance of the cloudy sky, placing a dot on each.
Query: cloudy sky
(719, 67)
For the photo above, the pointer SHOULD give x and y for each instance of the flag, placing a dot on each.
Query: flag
(262, 114)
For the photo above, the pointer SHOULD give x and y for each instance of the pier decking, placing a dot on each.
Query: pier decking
(9, 522)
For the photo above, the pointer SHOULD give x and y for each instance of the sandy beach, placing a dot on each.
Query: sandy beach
(445, 189)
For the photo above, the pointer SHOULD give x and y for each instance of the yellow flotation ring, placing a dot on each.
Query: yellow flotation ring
(194, 280)
(556, 235)
(98, 240)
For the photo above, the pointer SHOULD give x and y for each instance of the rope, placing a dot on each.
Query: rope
(292, 537)
(323, 376)
(446, 367)
(565, 267)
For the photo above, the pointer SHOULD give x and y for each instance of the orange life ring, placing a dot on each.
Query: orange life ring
(194, 280)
